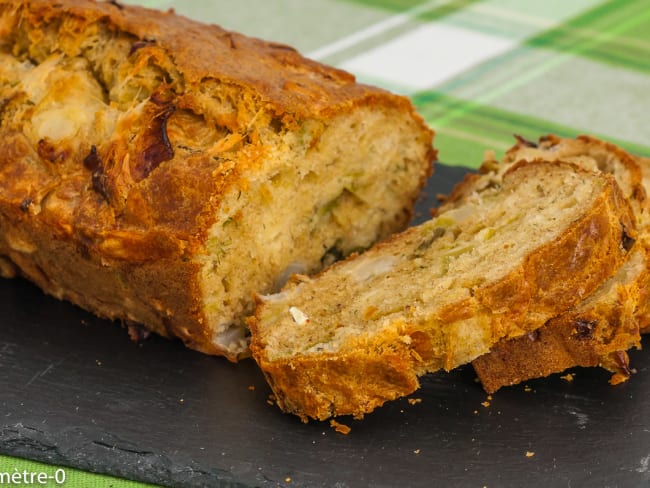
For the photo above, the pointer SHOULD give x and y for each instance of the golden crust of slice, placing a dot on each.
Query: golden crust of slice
(585, 151)
(597, 332)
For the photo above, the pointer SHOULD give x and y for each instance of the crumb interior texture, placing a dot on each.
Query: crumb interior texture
(160, 171)
(441, 294)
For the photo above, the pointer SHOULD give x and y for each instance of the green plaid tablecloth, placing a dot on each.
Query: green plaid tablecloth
(478, 71)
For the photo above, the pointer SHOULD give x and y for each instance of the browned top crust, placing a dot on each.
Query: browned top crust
(153, 197)
(277, 73)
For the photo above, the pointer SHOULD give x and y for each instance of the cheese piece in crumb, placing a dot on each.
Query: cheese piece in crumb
(298, 316)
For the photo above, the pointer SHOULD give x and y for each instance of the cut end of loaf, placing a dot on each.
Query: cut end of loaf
(312, 202)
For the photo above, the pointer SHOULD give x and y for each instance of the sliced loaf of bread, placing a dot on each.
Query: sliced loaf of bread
(598, 331)
(439, 295)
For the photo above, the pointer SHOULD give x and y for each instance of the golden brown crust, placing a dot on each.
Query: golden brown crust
(597, 335)
(555, 276)
(352, 385)
(553, 147)
(277, 73)
(643, 312)
(115, 224)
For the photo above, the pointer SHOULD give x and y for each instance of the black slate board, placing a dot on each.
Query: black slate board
(76, 391)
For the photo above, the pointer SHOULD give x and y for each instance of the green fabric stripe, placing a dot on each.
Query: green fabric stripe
(458, 115)
(391, 5)
(416, 13)
(629, 48)
(73, 477)
(400, 6)
(562, 57)
(463, 139)
(445, 10)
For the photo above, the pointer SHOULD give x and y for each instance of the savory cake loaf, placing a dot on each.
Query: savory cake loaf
(598, 331)
(443, 293)
(160, 171)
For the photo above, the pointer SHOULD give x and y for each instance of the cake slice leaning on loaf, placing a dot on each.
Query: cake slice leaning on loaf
(443, 293)
(160, 171)
(598, 331)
